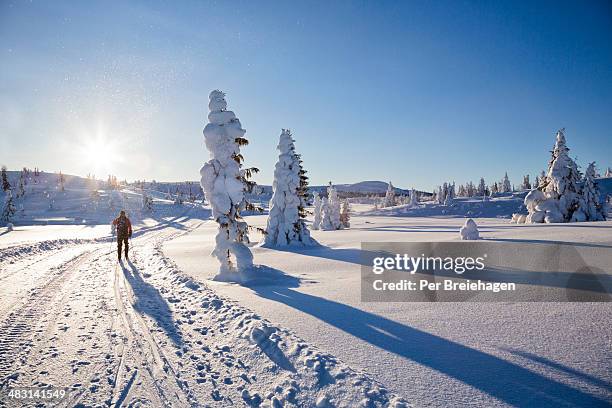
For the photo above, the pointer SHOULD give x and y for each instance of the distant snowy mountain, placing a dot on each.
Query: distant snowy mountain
(365, 187)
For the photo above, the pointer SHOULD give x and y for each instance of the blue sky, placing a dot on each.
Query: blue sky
(416, 92)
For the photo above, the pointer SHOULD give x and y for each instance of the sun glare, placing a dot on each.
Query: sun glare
(100, 155)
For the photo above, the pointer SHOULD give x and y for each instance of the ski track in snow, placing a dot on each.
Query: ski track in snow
(141, 333)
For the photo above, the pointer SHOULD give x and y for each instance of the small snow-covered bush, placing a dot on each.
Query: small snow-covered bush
(9, 226)
(469, 231)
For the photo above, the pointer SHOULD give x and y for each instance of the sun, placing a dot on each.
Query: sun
(100, 155)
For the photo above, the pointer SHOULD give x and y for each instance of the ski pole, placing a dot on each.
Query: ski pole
(132, 248)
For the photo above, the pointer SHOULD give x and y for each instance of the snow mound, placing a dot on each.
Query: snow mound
(469, 231)
(9, 226)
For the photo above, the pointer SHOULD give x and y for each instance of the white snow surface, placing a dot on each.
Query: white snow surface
(433, 354)
(157, 331)
(469, 231)
(143, 333)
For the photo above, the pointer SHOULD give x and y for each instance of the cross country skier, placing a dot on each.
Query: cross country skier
(124, 232)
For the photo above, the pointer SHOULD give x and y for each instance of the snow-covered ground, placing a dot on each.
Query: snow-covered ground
(157, 332)
(142, 333)
(433, 354)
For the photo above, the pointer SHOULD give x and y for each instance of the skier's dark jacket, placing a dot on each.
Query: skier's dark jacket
(124, 226)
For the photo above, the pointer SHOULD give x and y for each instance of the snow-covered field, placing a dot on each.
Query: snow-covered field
(156, 331)
(433, 354)
(144, 333)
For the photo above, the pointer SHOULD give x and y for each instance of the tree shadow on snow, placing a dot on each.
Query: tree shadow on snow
(560, 367)
(499, 378)
(350, 255)
(546, 241)
(149, 301)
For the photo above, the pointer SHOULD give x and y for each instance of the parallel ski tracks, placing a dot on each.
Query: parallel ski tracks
(17, 330)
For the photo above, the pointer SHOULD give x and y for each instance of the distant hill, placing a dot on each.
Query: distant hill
(365, 188)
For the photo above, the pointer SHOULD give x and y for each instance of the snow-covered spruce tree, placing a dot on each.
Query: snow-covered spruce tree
(147, 202)
(506, 187)
(178, 200)
(414, 199)
(5, 183)
(334, 206)
(60, 181)
(482, 187)
(285, 224)
(326, 222)
(450, 194)
(470, 190)
(9, 207)
(304, 195)
(20, 186)
(316, 223)
(557, 195)
(389, 200)
(462, 191)
(345, 214)
(440, 195)
(225, 185)
(590, 207)
(542, 179)
(330, 208)
(561, 182)
(526, 184)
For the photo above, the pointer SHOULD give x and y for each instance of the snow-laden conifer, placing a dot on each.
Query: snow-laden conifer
(482, 187)
(506, 187)
(286, 226)
(326, 220)
(557, 195)
(413, 200)
(316, 223)
(8, 210)
(345, 214)
(389, 200)
(334, 206)
(225, 184)
(526, 183)
(561, 181)
(590, 207)
(330, 209)
(449, 197)
(147, 202)
(5, 183)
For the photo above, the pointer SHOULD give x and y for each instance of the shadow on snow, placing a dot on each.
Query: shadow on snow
(150, 302)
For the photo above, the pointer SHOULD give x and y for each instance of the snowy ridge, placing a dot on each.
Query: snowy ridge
(16, 252)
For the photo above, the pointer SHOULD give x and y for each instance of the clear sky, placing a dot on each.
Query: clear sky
(416, 92)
